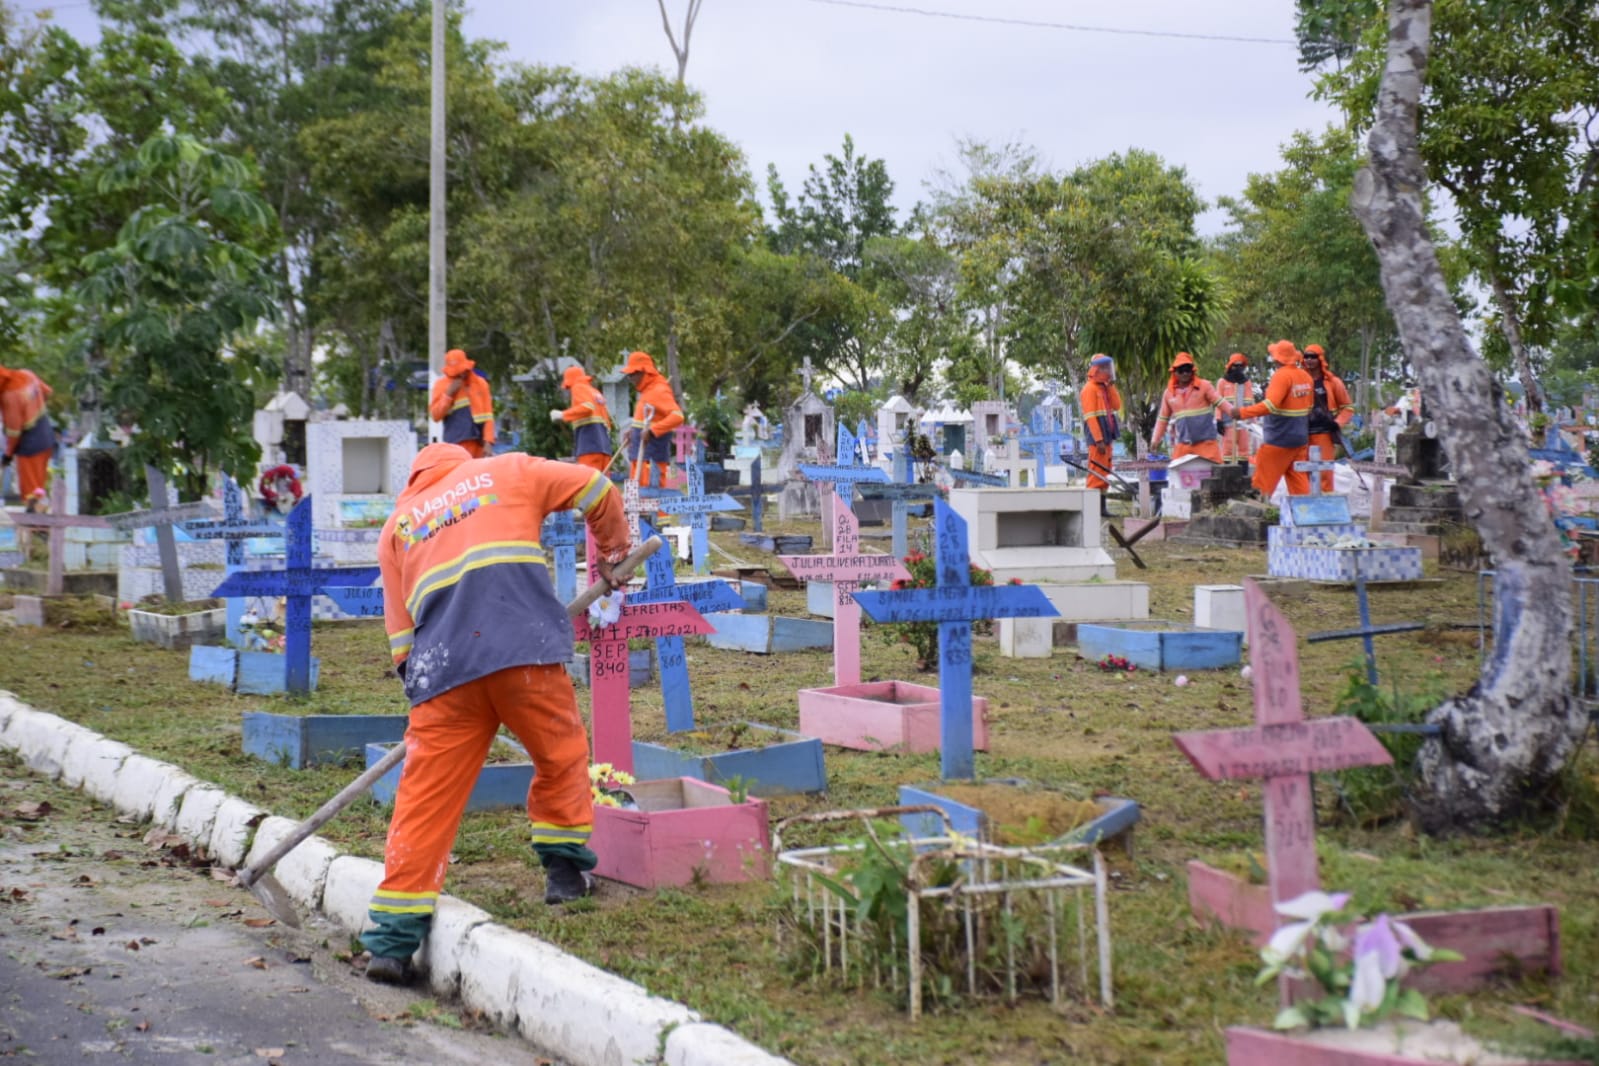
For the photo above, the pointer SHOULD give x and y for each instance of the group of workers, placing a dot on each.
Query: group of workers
(1303, 409)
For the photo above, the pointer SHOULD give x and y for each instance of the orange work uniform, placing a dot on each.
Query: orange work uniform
(1236, 443)
(589, 418)
(1286, 410)
(656, 404)
(1189, 409)
(480, 639)
(468, 412)
(1331, 410)
(30, 435)
(1101, 404)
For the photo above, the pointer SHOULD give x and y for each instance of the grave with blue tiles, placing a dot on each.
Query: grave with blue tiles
(954, 604)
(297, 582)
(168, 569)
(1317, 540)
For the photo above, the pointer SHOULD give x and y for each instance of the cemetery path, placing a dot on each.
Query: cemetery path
(114, 949)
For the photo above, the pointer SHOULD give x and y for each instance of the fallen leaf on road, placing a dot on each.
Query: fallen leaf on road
(260, 923)
(31, 812)
(132, 945)
(160, 838)
(217, 902)
(98, 930)
(71, 972)
(18, 895)
(258, 962)
(225, 876)
(142, 1027)
(269, 1052)
(148, 940)
(84, 879)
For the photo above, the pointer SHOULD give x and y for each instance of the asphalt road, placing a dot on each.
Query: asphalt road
(113, 949)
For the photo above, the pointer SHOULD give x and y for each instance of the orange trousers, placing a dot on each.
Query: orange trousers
(1236, 443)
(1273, 464)
(1323, 447)
(1098, 464)
(1207, 449)
(32, 473)
(642, 471)
(446, 742)
(595, 461)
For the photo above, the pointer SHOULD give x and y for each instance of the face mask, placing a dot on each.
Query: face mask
(1238, 373)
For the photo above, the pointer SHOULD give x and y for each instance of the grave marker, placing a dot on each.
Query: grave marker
(1314, 467)
(58, 522)
(844, 471)
(562, 533)
(297, 582)
(1143, 468)
(233, 528)
(900, 497)
(847, 568)
(610, 696)
(707, 597)
(1282, 749)
(757, 496)
(163, 518)
(954, 604)
(698, 507)
(1043, 443)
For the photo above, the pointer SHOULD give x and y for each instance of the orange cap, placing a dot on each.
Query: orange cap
(456, 363)
(1284, 352)
(1236, 358)
(639, 362)
(572, 376)
(1316, 350)
(1182, 359)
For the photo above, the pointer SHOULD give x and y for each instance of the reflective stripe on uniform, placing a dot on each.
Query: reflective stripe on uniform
(446, 574)
(549, 833)
(592, 493)
(387, 901)
(400, 643)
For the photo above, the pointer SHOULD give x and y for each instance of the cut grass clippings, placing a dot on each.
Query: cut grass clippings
(1058, 723)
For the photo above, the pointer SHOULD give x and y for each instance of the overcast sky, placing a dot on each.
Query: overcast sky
(786, 79)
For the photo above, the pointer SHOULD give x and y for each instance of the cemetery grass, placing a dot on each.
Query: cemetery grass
(1060, 722)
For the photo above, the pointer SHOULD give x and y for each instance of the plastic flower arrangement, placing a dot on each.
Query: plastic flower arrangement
(923, 636)
(1361, 975)
(607, 609)
(607, 784)
(1114, 663)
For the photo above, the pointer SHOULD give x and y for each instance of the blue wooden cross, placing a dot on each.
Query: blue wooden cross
(563, 533)
(661, 586)
(954, 604)
(845, 473)
(698, 507)
(754, 492)
(1313, 465)
(901, 498)
(297, 583)
(1043, 442)
(233, 528)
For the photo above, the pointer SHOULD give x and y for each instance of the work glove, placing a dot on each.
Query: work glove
(5, 461)
(557, 415)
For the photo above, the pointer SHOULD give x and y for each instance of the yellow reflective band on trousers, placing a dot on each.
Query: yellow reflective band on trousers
(390, 902)
(522, 552)
(545, 833)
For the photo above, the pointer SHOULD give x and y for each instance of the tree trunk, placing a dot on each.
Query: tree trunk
(1510, 325)
(1507, 739)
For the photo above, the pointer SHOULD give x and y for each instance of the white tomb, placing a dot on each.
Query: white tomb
(894, 418)
(355, 469)
(1183, 478)
(278, 424)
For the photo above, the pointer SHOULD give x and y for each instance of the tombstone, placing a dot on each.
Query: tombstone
(1150, 471)
(233, 529)
(808, 435)
(1184, 477)
(57, 522)
(1315, 466)
(297, 583)
(280, 430)
(611, 709)
(354, 471)
(894, 419)
(698, 507)
(162, 516)
(1283, 749)
(1317, 540)
(901, 497)
(847, 568)
(707, 597)
(756, 493)
(847, 471)
(93, 475)
(954, 604)
(991, 421)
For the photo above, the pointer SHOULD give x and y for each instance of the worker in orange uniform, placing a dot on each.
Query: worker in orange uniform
(1101, 404)
(1235, 387)
(657, 406)
(1329, 413)
(480, 640)
(463, 402)
(30, 435)
(1189, 407)
(590, 418)
(1286, 410)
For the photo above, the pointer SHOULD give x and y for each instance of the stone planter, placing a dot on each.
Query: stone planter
(1405, 1043)
(768, 634)
(882, 716)
(1161, 645)
(179, 630)
(684, 831)
(301, 740)
(775, 762)
(1117, 816)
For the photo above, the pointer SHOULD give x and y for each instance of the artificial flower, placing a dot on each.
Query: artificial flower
(606, 610)
(1376, 940)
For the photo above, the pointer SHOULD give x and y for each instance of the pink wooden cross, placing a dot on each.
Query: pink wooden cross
(848, 569)
(1283, 748)
(611, 694)
(58, 522)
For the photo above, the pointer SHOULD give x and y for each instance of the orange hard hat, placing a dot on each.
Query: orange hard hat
(1182, 359)
(572, 376)
(1316, 350)
(1284, 352)
(1236, 358)
(639, 362)
(456, 363)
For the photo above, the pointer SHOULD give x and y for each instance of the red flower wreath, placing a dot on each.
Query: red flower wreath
(275, 482)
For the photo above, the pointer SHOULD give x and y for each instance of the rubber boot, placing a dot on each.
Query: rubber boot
(564, 881)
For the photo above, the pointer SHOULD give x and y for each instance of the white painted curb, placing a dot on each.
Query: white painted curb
(559, 1003)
